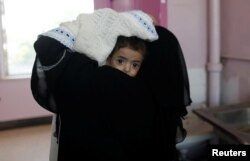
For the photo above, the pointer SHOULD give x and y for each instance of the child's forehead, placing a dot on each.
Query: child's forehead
(129, 49)
(129, 53)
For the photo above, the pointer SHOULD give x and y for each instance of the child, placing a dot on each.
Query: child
(127, 55)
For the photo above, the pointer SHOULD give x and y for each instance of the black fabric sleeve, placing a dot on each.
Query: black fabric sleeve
(51, 62)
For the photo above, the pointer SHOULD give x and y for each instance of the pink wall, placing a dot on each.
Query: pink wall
(235, 28)
(157, 8)
(235, 50)
(16, 101)
(151, 7)
(102, 4)
(188, 21)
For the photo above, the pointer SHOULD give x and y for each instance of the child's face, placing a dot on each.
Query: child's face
(126, 60)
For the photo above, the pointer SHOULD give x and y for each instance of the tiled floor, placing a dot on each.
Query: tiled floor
(25, 144)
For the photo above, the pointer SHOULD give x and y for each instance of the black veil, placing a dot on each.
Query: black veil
(164, 72)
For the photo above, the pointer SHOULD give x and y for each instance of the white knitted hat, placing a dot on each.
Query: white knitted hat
(95, 34)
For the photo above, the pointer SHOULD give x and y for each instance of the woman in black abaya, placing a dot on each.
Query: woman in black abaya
(106, 115)
(102, 113)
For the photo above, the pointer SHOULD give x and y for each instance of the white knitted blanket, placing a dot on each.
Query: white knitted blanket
(95, 34)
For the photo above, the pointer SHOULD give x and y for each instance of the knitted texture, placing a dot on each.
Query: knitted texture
(95, 34)
(62, 35)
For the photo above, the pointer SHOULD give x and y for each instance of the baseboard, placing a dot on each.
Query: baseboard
(25, 122)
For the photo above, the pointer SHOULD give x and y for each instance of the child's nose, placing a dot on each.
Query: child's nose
(127, 67)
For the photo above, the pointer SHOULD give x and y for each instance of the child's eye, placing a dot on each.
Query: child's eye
(135, 65)
(120, 61)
